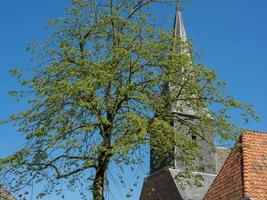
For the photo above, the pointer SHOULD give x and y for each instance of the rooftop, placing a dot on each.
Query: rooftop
(244, 174)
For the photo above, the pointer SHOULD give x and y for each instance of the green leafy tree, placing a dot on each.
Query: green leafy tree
(97, 97)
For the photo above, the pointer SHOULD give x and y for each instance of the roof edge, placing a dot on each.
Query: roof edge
(236, 146)
(245, 198)
(242, 166)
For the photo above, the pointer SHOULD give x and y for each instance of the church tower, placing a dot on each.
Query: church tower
(162, 184)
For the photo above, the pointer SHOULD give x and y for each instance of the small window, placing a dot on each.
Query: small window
(194, 137)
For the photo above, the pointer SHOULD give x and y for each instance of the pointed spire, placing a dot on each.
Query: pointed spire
(182, 49)
(179, 29)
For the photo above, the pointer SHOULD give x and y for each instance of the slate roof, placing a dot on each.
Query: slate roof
(160, 186)
(244, 174)
(163, 185)
(193, 192)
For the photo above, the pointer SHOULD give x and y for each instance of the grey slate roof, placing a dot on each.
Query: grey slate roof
(163, 185)
(193, 192)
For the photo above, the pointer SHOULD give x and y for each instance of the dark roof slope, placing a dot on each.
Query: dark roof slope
(160, 186)
(244, 173)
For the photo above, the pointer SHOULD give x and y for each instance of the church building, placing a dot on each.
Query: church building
(226, 176)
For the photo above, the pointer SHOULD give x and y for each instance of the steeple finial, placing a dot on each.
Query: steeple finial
(179, 5)
(179, 29)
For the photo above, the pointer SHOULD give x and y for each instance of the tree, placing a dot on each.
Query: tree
(97, 97)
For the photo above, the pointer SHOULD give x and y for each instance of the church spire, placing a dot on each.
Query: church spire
(179, 29)
(179, 34)
(207, 162)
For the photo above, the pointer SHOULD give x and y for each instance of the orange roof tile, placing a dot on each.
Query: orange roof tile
(244, 173)
(255, 165)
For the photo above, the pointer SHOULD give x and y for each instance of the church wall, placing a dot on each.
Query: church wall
(206, 161)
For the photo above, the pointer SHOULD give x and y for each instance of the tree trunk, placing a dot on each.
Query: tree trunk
(103, 162)
(98, 186)
(99, 181)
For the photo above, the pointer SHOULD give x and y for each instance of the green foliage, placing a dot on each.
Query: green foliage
(96, 97)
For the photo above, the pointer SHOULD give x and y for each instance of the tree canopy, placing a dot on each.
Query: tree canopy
(97, 97)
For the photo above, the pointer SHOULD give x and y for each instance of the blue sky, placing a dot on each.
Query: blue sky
(231, 34)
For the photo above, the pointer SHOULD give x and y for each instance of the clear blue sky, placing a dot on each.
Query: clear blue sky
(231, 34)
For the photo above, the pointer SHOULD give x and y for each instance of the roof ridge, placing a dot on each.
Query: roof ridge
(247, 131)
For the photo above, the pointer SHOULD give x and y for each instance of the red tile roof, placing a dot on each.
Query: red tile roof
(255, 165)
(244, 173)
(228, 184)
(4, 195)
